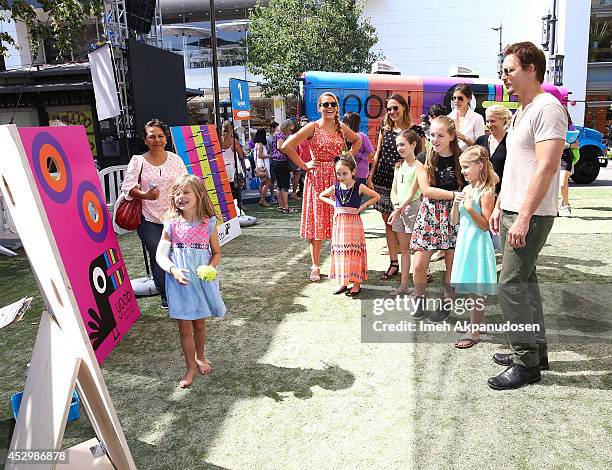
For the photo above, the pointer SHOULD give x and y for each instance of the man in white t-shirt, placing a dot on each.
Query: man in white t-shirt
(525, 211)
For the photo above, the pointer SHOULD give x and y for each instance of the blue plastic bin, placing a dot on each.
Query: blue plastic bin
(73, 413)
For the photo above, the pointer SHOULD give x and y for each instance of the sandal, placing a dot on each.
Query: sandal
(340, 290)
(398, 291)
(315, 273)
(394, 264)
(350, 293)
(263, 204)
(466, 343)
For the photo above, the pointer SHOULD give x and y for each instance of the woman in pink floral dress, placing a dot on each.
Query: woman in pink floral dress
(327, 137)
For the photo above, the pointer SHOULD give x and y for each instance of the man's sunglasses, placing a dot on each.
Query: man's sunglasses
(457, 98)
(328, 104)
(392, 108)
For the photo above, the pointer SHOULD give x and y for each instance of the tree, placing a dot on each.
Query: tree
(289, 37)
(60, 21)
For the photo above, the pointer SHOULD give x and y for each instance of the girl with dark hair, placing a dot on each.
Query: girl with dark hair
(469, 125)
(327, 137)
(150, 177)
(381, 175)
(366, 152)
(348, 247)
(439, 179)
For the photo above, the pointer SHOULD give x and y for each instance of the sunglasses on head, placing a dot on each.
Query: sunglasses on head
(328, 104)
(457, 98)
(392, 108)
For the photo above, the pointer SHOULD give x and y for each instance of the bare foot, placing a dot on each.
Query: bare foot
(187, 379)
(204, 366)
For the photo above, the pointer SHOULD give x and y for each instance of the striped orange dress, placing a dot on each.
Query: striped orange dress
(316, 214)
(348, 246)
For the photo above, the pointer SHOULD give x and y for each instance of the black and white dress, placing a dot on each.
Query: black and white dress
(433, 229)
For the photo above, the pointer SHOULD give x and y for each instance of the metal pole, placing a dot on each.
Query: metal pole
(213, 42)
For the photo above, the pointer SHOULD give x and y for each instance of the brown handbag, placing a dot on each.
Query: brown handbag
(129, 213)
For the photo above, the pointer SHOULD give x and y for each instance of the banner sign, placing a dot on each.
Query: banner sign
(239, 93)
(71, 203)
(200, 149)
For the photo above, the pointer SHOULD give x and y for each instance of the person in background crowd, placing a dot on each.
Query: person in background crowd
(279, 166)
(525, 211)
(571, 154)
(262, 165)
(469, 124)
(305, 154)
(366, 152)
(273, 129)
(251, 154)
(498, 118)
(150, 177)
(327, 138)
(433, 112)
(232, 152)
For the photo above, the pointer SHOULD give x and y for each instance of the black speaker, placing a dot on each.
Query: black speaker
(140, 15)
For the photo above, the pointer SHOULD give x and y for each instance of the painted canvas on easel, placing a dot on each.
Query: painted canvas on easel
(200, 149)
(62, 167)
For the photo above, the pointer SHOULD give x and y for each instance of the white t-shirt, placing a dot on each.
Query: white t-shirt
(542, 119)
(472, 126)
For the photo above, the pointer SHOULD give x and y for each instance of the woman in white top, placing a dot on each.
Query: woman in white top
(232, 150)
(262, 160)
(469, 125)
(157, 171)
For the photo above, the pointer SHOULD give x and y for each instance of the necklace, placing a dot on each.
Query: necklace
(345, 196)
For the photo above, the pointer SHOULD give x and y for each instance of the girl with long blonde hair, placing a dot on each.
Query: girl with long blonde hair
(474, 269)
(189, 252)
(439, 180)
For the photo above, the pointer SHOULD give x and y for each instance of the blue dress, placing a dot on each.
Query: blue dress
(474, 269)
(190, 249)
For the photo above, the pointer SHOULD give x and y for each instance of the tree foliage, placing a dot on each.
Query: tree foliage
(289, 37)
(60, 21)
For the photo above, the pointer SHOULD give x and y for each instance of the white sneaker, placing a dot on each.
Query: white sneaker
(565, 211)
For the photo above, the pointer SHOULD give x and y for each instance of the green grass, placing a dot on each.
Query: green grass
(294, 386)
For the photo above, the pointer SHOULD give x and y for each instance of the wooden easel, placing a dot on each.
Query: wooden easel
(63, 355)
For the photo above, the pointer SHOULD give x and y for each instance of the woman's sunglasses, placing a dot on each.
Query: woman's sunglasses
(392, 108)
(457, 98)
(328, 104)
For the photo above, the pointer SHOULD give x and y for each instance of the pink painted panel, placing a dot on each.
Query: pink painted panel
(62, 166)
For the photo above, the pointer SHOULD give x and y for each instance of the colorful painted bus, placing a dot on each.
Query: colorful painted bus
(366, 95)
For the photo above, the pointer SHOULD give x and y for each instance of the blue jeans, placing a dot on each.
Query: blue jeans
(150, 235)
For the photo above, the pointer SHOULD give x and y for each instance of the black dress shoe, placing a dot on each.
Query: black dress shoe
(515, 376)
(506, 360)
(503, 359)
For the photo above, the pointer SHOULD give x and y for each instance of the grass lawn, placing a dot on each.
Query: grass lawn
(295, 387)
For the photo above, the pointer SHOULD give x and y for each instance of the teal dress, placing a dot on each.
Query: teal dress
(474, 269)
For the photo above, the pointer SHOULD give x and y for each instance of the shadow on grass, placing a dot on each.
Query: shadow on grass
(263, 273)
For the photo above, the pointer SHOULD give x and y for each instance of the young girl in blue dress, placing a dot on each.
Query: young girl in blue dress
(189, 252)
(474, 270)
(348, 248)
